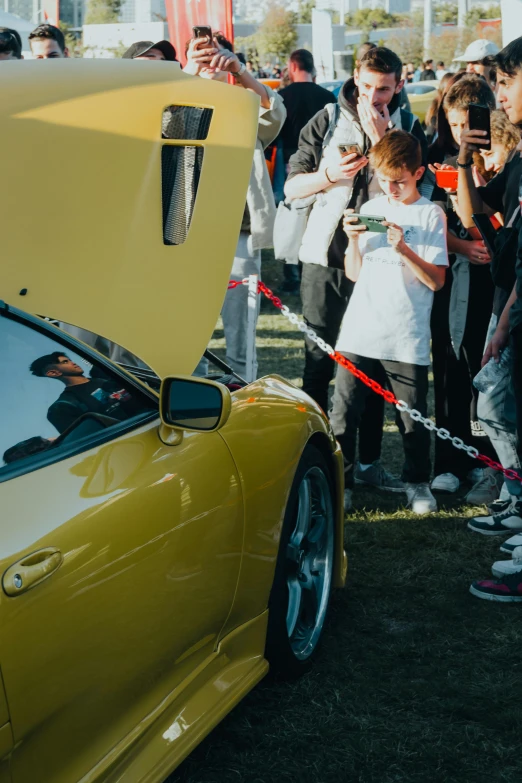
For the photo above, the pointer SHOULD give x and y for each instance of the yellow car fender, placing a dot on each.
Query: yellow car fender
(271, 423)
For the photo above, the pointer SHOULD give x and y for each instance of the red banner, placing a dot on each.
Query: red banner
(183, 15)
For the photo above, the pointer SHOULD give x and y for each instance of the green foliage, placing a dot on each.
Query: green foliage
(369, 18)
(304, 11)
(103, 11)
(276, 37)
(476, 14)
(445, 12)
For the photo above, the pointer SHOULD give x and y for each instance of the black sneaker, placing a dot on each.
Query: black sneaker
(507, 521)
(507, 590)
(498, 506)
(511, 544)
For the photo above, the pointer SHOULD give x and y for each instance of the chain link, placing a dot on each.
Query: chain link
(388, 395)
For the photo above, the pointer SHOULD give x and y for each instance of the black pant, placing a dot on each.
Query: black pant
(516, 346)
(325, 293)
(455, 396)
(409, 382)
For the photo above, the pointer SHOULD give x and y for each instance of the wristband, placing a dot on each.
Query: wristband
(331, 181)
(467, 165)
(241, 71)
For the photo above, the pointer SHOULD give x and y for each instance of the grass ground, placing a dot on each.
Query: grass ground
(417, 681)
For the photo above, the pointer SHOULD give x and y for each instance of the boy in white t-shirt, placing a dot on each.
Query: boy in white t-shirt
(387, 323)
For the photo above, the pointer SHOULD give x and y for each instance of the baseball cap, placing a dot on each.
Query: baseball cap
(478, 50)
(142, 47)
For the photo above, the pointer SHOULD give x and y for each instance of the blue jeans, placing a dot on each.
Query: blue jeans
(497, 415)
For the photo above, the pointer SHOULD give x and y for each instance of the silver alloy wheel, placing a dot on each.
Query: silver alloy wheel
(309, 563)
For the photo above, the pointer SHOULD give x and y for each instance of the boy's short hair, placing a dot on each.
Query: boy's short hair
(469, 89)
(509, 60)
(50, 32)
(40, 366)
(10, 41)
(503, 131)
(395, 151)
(382, 60)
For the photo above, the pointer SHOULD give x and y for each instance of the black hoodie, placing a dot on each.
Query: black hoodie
(307, 158)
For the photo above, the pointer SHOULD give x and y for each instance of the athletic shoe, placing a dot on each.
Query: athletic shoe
(511, 544)
(446, 482)
(505, 522)
(420, 499)
(503, 567)
(498, 506)
(376, 476)
(347, 500)
(475, 475)
(487, 488)
(508, 589)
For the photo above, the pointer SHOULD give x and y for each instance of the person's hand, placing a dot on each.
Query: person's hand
(373, 122)
(395, 236)
(471, 141)
(225, 61)
(478, 179)
(442, 167)
(349, 166)
(476, 252)
(496, 345)
(199, 56)
(352, 228)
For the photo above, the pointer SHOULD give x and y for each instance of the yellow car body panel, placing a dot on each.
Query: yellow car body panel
(421, 103)
(106, 118)
(151, 624)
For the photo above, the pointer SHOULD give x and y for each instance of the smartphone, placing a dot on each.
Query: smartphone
(372, 223)
(201, 31)
(480, 119)
(486, 230)
(446, 178)
(348, 149)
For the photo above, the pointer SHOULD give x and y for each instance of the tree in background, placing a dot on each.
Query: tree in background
(445, 13)
(103, 11)
(304, 11)
(276, 36)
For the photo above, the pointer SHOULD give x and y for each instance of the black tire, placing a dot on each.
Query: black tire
(288, 653)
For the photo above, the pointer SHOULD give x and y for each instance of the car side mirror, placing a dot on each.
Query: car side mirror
(194, 404)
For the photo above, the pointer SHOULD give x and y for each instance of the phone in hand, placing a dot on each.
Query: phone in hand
(202, 31)
(372, 223)
(349, 149)
(480, 119)
(447, 178)
(486, 230)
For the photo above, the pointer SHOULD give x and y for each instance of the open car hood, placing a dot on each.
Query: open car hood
(83, 228)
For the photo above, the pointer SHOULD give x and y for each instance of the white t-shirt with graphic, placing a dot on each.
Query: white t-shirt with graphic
(388, 316)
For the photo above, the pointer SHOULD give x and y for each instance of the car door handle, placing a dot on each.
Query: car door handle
(31, 570)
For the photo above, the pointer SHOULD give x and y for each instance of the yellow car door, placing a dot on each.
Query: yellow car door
(119, 558)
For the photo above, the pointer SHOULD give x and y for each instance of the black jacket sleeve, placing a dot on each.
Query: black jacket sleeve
(421, 136)
(307, 158)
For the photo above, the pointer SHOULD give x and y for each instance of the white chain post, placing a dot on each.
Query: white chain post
(253, 281)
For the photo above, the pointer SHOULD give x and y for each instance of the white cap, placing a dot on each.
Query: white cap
(478, 50)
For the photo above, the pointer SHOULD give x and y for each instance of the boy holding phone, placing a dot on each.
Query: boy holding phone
(387, 323)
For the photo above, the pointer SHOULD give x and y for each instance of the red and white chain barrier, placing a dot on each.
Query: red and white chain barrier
(388, 395)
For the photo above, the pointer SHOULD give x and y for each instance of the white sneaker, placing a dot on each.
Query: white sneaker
(504, 492)
(446, 482)
(420, 499)
(347, 500)
(503, 567)
(511, 544)
(486, 490)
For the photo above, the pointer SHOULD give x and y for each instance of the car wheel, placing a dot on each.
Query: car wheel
(302, 585)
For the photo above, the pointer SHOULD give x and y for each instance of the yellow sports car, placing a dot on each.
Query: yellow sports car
(421, 95)
(163, 538)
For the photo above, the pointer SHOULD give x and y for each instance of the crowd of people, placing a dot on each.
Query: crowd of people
(394, 268)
